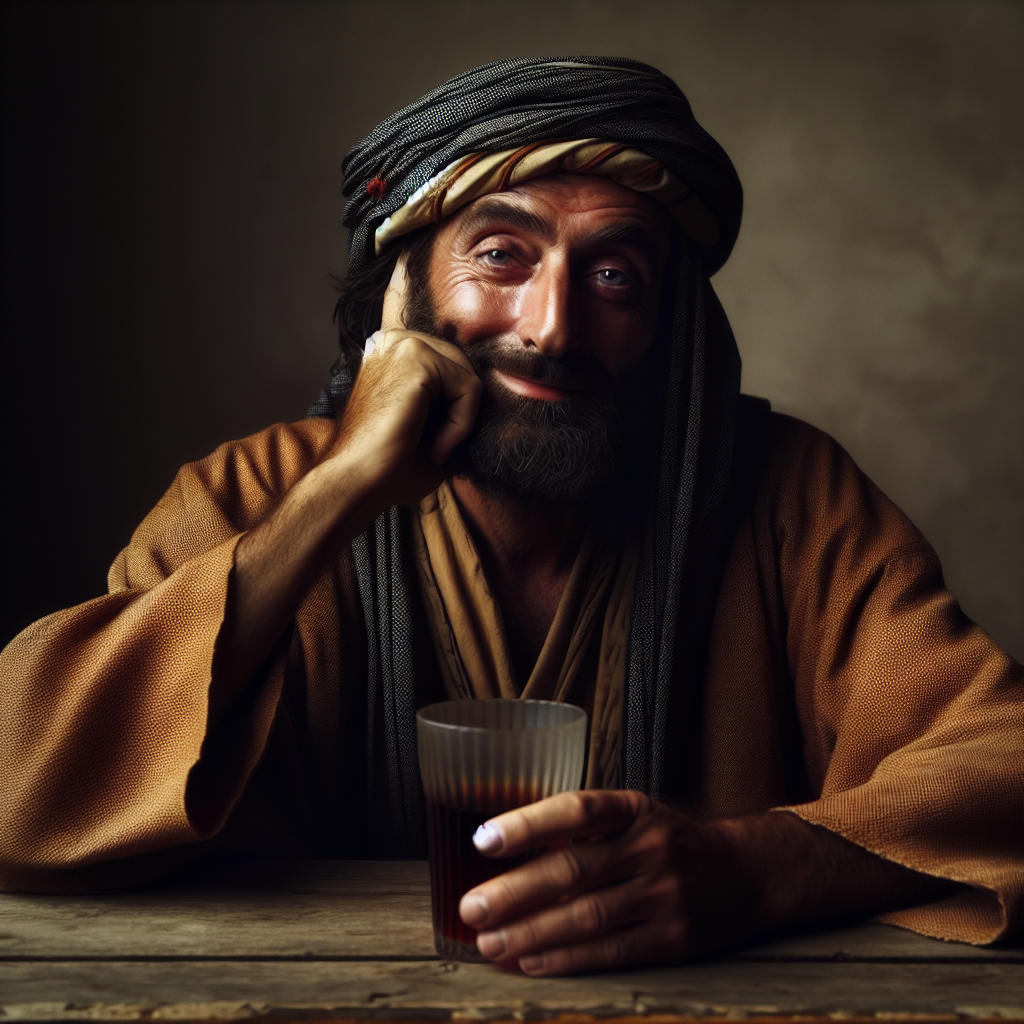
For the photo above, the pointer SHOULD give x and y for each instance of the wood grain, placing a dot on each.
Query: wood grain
(332, 909)
(353, 939)
(307, 909)
(235, 990)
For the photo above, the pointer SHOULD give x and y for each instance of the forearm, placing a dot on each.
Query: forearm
(803, 873)
(278, 562)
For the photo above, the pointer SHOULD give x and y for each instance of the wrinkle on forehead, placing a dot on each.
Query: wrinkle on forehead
(529, 206)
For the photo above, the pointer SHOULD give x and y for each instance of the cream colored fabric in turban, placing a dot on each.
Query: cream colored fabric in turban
(481, 174)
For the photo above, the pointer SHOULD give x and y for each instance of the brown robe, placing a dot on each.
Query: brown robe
(583, 660)
(835, 647)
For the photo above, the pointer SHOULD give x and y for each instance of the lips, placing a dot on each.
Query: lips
(535, 389)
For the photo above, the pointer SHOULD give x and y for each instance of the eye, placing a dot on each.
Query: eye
(496, 257)
(614, 278)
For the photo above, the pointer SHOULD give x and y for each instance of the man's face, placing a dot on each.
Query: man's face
(553, 289)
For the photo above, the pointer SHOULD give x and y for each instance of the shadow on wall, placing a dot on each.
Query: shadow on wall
(172, 215)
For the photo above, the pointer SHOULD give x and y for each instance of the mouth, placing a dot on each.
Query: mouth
(534, 389)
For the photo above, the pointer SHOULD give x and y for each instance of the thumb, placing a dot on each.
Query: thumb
(394, 298)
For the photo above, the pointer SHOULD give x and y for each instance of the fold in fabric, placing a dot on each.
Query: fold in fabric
(481, 174)
(583, 660)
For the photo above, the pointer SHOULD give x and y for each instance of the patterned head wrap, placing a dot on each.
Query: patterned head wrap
(409, 171)
(514, 103)
(481, 174)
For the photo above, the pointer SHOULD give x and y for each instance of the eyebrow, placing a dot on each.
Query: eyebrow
(632, 235)
(486, 211)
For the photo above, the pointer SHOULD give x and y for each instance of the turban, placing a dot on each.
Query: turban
(513, 103)
(480, 174)
(472, 135)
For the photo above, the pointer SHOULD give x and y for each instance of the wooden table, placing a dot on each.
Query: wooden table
(343, 939)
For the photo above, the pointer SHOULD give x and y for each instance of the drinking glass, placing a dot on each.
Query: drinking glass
(479, 758)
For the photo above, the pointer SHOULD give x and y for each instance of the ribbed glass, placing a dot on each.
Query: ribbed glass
(479, 758)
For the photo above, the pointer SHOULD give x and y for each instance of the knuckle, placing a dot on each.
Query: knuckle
(658, 843)
(503, 893)
(577, 807)
(613, 950)
(565, 869)
(525, 934)
(590, 914)
(582, 806)
(403, 346)
(669, 891)
(639, 804)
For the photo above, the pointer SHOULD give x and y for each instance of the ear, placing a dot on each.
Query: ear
(394, 297)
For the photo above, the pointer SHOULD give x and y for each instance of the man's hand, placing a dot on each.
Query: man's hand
(380, 437)
(635, 893)
(380, 458)
(644, 884)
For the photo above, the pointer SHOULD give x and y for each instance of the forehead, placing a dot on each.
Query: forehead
(568, 203)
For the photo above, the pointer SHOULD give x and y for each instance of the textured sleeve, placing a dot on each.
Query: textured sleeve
(911, 714)
(103, 707)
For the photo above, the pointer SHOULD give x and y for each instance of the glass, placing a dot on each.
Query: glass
(479, 758)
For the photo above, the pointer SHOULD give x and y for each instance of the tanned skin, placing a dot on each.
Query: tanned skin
(562, 263)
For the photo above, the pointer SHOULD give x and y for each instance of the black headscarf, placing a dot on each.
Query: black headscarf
(500, 106)
(514, 102)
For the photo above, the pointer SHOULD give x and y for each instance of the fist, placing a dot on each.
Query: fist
(381, 432)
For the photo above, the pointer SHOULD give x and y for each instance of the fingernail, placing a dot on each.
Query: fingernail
(491, 944)
(488, 838)
(473, 909)
(529, 964)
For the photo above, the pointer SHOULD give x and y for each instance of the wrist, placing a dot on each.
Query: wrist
(361, 480)
(770, 854)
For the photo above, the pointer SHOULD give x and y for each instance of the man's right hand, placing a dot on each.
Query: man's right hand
(380, 436)
(380, 458)
(381, 433)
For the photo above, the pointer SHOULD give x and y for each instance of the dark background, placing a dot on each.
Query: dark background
(171, 219)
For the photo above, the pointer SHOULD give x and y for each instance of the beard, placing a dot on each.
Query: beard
(551, 453)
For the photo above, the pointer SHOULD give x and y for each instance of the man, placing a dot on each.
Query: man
(538, 479)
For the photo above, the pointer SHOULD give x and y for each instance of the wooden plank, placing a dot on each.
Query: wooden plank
(304, 909)
(330, 909)
(131, 991)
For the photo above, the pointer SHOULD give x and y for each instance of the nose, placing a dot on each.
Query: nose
(545, 315)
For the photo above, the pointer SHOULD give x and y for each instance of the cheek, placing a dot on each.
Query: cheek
(476, 308)
(619, 340)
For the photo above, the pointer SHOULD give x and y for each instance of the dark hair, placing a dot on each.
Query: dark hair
(361, 295)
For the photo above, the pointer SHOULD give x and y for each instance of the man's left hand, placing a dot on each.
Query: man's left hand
(629, 880)
(651, 885)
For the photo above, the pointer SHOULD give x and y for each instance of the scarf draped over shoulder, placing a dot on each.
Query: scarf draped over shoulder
(679, 508)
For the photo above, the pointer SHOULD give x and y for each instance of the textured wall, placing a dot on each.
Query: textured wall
(176, 217)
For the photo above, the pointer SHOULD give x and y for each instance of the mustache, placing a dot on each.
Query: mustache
(509, 355)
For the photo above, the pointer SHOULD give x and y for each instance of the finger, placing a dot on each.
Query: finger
(387, 339)
(459, 424)
(581, 919)
(394, 297)
(577, 815)
(550, 878)
(462, 389)
(645, 943)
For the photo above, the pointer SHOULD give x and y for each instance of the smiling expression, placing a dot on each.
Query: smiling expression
(566, 266)
(552, 289)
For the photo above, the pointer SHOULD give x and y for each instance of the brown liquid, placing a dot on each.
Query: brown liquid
(456, 867)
